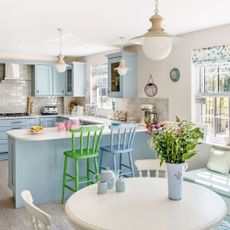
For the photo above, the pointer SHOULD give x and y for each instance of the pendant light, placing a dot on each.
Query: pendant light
(60, 65)
(122, 68)
(157, 44)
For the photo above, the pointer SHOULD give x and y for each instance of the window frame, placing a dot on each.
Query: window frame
(92, 101)
(202, 71)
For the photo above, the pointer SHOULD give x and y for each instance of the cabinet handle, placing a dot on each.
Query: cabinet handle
(16, 122)
(16, 128)
(62, 91)
(37, 91)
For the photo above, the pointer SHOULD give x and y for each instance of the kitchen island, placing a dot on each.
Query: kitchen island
(36, 161)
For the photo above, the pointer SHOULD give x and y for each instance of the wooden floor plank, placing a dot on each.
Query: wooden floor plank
(16, 219)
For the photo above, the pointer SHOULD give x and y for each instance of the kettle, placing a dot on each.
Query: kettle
(110, 177)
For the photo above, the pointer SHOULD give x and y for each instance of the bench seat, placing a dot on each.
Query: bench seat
(217, 182)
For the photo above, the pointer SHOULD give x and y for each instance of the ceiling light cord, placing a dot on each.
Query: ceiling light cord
(156, 11)
(122, 46)
(60, 32)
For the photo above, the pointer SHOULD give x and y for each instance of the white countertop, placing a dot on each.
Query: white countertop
(53, 134)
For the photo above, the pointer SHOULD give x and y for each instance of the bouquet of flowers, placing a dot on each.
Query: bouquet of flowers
(174, 142)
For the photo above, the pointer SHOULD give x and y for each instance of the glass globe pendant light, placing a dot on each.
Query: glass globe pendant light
(122, 69)
(60, 65)
(157, 44)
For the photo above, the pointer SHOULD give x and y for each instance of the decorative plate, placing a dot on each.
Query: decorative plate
(175, 74)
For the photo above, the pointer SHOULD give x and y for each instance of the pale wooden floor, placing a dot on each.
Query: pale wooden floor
(16, 219)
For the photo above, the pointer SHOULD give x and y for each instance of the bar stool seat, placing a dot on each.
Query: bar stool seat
(87, 149)
(121, 142)
(79, 156)
(116, 149)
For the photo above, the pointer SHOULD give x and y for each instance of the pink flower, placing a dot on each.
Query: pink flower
(158, 126)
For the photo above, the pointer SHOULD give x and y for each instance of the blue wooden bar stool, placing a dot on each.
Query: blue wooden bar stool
(121, 143)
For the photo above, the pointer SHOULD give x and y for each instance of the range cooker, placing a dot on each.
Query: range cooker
(13, 114)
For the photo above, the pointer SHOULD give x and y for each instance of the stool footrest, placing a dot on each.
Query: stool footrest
(67, 186)
(92, 171)
(73, 178)
(126, 166)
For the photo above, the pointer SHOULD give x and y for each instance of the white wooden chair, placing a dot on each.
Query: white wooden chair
(149, 165)
(40, 220)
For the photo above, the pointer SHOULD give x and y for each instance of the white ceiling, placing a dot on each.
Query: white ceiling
(93, 26)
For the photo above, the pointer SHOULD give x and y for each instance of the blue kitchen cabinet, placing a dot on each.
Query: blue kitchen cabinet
(122, 86)
(76, 79)
(59, 82)
(42, 80)
(12, 124)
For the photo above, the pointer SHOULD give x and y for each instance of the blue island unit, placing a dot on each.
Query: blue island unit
(36, 161)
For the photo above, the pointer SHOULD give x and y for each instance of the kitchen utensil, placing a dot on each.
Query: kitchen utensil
(150, 88)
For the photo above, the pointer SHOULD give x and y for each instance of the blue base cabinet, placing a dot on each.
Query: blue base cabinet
(122, 86)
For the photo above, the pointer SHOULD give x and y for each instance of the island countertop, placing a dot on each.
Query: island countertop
(36, 160)
(53, 134)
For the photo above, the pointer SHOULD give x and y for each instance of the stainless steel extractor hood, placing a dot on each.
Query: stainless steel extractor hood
(14, 73)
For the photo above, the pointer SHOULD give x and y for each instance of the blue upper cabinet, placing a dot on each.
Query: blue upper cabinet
(59, 82)
(76, 80)
(122, 86)
(42, 80)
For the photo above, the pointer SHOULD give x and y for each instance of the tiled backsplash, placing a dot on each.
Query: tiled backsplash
(132, 107)
(39, 102)
(13, 94)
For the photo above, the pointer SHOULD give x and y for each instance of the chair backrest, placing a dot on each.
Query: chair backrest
(87, 146)
(39, 219)
(148, 165)
(122, 136)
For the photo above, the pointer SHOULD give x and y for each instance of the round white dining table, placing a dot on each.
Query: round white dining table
(145, 206)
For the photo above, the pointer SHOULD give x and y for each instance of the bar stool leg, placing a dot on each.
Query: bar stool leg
(76, 176)
(114, 163)
(96, 168)
(120, 162)
(88, 172)
(100, 164)
(64, 179)
(131, 164)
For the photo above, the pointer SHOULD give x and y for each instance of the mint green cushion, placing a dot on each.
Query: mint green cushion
(219, 161)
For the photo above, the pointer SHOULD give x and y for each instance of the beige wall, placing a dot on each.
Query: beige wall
(180, 94)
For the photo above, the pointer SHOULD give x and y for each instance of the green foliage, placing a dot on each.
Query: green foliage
(174, 142)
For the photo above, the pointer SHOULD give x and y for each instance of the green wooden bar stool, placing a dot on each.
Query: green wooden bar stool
(87, 149)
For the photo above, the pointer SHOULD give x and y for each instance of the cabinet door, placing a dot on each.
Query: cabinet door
(59, 80)
(79, 79)
(115, 87)
(69, 81)
(43, 80)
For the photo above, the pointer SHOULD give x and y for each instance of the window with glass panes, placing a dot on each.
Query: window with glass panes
(215, 88)
(99, 81)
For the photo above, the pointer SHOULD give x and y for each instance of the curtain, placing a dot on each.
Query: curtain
(215, 54)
